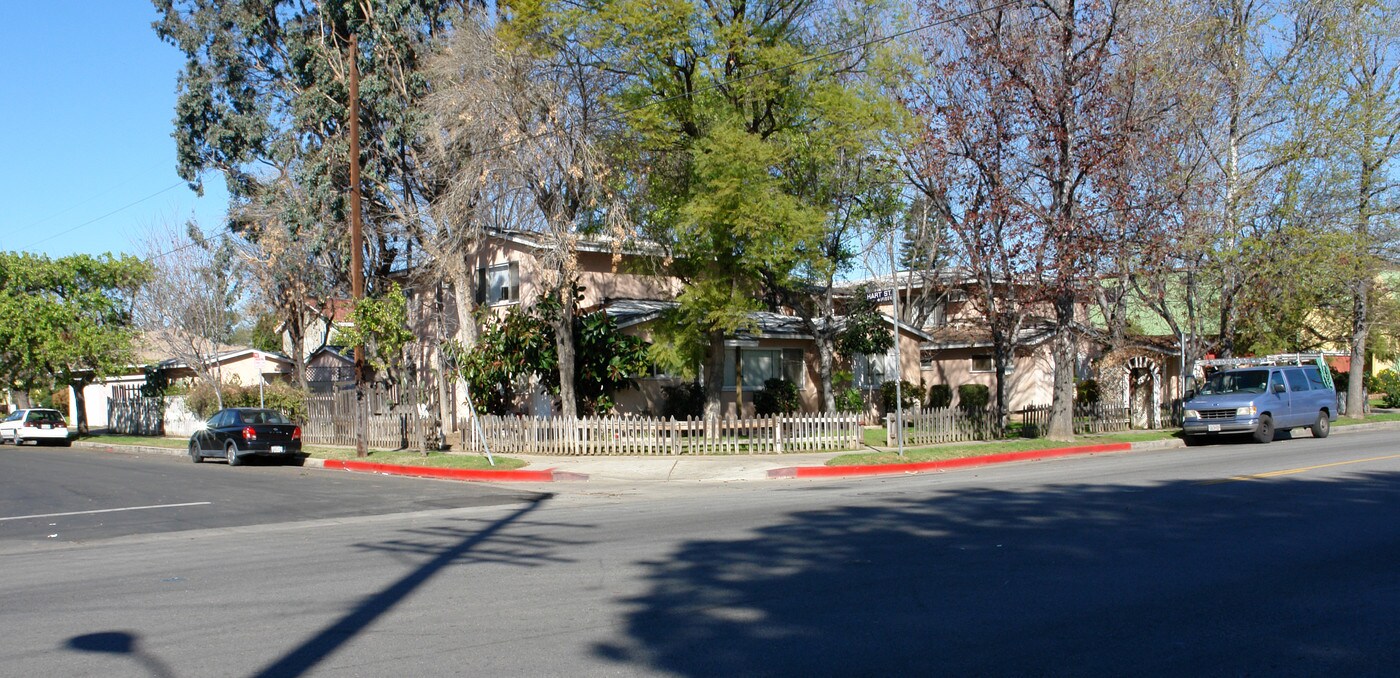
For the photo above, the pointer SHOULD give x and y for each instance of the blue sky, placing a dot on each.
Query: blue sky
(86, 104)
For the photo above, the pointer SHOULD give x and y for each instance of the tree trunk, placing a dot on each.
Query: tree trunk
(1061, 426)
(564, 346)
(80, 419)
(21, 398)
(714, 377)
(825, 362)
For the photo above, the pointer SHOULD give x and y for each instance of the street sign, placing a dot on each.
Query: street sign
(880, 295)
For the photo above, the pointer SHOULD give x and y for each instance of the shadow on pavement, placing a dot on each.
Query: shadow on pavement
(472, 546)
(1276, 577)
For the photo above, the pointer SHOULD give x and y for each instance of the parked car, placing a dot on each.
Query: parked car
(38, 425)
(1260, 401)
(238, 432)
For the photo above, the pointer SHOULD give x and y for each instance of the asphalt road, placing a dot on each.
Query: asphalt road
(1275, 559)
(79, 496)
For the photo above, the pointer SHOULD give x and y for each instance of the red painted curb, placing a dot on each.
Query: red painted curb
(545, 476)
(986, 460)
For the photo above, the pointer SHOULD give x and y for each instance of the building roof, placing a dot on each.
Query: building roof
(630, 312)
(966, 336)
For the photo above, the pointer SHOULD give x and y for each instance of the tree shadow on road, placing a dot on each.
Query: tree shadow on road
(490, 543)
(1236, 577)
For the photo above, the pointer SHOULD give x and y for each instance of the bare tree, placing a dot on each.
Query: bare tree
(294, 264)
(188, 309)
(528, 120)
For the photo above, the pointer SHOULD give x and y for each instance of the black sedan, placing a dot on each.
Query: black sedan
(238, 432)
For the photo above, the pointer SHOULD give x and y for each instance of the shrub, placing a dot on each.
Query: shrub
(1388, 382)
(850, 400)
(1086, 392)
(910, 395)
(940, 396)
(285, 398)
(973, 398)
(684, 400)
(778, 396)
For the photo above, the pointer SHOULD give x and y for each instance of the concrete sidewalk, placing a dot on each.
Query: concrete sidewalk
(724, 468)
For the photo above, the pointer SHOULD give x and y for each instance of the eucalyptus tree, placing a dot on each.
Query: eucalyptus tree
(264, 97)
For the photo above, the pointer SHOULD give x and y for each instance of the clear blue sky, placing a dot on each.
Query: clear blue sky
(86, 102)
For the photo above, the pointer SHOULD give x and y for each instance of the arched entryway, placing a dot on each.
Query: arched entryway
(1143, 377)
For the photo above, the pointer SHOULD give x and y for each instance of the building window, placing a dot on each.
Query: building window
(498, 284)
(985, 363)
(874, 369)
(762, 364)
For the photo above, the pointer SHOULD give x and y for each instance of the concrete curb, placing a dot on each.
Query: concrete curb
(548, 475)
(964, 462)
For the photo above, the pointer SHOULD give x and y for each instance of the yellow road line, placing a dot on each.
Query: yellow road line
(1292, 471)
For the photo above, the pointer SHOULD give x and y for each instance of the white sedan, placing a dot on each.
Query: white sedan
(39, 425)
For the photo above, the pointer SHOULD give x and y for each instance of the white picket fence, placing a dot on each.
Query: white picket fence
(941, 425)
(784, 434)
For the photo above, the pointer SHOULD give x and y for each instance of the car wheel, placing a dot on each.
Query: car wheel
(66, 442)
(1323, 425)
(195, 456)
(1265, 432)
(231, 454)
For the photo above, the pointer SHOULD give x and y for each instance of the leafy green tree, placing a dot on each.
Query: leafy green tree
(380, 324)
(721, 107)
(65, 321)
(521, 345)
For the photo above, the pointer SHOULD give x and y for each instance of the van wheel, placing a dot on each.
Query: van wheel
(1323, 426)
(1265, 432)
(1193, 441)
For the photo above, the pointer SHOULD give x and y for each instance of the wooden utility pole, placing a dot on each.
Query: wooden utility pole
(357, 264)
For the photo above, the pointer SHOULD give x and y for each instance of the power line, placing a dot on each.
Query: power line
(97, 219)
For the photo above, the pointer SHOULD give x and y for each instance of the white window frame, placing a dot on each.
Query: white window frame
(500, 283)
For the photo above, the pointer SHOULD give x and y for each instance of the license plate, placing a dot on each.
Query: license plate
(1212, 427)
(276, 448)
(45, 426)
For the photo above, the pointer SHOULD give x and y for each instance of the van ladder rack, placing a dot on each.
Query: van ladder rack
(1319, 359)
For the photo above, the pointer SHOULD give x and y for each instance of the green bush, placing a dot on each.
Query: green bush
(285, 398)
(685, 400)
(778, 396)
(1086, 392)
(940, 396)
(973, 398)
(1388, 382)
(910, 395)
(850, 400)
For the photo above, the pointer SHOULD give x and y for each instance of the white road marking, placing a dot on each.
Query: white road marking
(129, 508)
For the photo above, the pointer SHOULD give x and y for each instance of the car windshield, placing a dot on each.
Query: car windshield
(1246, 381)
(264, 417)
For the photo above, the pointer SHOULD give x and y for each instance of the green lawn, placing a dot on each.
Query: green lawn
(1370, 419)
(395, 457)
